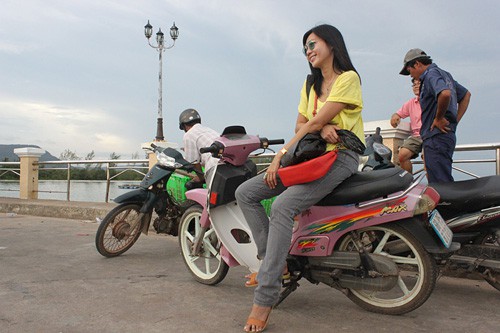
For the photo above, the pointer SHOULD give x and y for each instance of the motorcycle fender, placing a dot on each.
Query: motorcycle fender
(139, 195)
(417, 226)
(147, 198)
(155, 174)
(228, 257)
(199, 195)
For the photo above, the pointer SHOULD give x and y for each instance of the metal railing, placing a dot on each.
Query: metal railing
(121, 166)
(4, 169)
(495, 147)
(109, 165)
(480, 147)
(141, 166)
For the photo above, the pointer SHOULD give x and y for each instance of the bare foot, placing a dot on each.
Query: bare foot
(257, 320)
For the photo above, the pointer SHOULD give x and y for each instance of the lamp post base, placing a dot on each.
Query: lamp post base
(159, 130)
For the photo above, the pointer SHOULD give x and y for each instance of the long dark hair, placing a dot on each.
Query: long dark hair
(341, 60)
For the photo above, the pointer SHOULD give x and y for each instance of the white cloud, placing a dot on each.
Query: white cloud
(56, 128)
(15, 48)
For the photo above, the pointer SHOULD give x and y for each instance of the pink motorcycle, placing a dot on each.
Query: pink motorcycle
(376, 237)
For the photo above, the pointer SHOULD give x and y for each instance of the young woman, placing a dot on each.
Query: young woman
(333, 103)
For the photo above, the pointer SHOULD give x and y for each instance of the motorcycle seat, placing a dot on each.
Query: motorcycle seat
(468, 195)
(364, 186)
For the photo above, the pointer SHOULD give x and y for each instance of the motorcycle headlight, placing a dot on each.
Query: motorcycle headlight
(167, 161)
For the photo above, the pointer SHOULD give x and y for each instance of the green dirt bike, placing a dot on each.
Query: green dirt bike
(123, 225)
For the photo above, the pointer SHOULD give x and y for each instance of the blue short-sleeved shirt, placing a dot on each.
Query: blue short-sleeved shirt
(432, 82)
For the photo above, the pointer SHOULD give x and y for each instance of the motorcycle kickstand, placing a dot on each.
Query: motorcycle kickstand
(290, 287)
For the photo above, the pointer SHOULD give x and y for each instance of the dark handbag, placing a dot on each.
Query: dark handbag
(310, 146)
(351, 141)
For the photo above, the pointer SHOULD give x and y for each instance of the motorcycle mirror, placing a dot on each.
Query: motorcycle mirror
(382, 151)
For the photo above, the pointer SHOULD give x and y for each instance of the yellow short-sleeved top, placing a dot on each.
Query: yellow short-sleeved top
(346, 89)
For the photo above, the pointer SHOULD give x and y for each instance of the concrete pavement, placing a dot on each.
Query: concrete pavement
(53, 280)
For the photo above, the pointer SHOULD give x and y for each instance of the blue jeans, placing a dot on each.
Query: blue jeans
(438, 157)
(273, 235)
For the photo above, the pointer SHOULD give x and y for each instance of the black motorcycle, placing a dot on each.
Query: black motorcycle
(123, 225)
(470, 208)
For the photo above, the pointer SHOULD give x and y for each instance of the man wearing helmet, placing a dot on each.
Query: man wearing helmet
(197, 136)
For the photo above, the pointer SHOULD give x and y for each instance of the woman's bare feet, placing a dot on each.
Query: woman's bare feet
(257, 320)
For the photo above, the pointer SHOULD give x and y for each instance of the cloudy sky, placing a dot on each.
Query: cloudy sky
(79, 75)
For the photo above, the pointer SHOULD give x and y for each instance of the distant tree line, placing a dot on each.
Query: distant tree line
(90, 171)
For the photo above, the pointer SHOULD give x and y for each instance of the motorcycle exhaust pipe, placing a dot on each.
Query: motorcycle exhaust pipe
(477, 255)
(342, 269)
(474, 218)
(471, 261)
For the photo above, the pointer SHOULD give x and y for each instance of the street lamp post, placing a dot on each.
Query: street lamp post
(174, 33)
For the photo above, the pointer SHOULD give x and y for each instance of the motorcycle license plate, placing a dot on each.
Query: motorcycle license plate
(441, 228)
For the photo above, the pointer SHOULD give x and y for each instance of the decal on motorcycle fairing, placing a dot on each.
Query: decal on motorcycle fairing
(344, 222)
(341, 223)
(394, 209)
(308, 245)
(311, 242)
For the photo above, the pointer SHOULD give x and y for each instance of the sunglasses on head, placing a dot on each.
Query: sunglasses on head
(309, 46)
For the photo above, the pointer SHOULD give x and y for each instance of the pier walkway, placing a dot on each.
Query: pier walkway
(53, 280)
(75, 210)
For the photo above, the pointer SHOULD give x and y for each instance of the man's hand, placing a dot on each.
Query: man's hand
(190, 185)
(442, 124)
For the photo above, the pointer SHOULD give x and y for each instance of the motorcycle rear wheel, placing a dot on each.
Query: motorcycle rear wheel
(208, 267)
(490, 239)
(119, 230)
(417, 270)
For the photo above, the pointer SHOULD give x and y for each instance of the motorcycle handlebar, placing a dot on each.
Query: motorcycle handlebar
(264, 142)
(276, 142)
(213, 149)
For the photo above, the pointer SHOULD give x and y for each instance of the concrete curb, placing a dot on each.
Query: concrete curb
(76, 210)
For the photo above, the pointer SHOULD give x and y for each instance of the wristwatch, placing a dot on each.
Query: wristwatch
(283, 151)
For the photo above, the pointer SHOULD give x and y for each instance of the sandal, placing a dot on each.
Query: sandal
(252, 279)
(259, 325)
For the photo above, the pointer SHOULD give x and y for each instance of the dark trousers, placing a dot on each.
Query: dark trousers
(438, 157)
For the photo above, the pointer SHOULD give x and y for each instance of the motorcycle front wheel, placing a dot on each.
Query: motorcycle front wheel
(119, 230)
(207, 266)
(417, 270)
